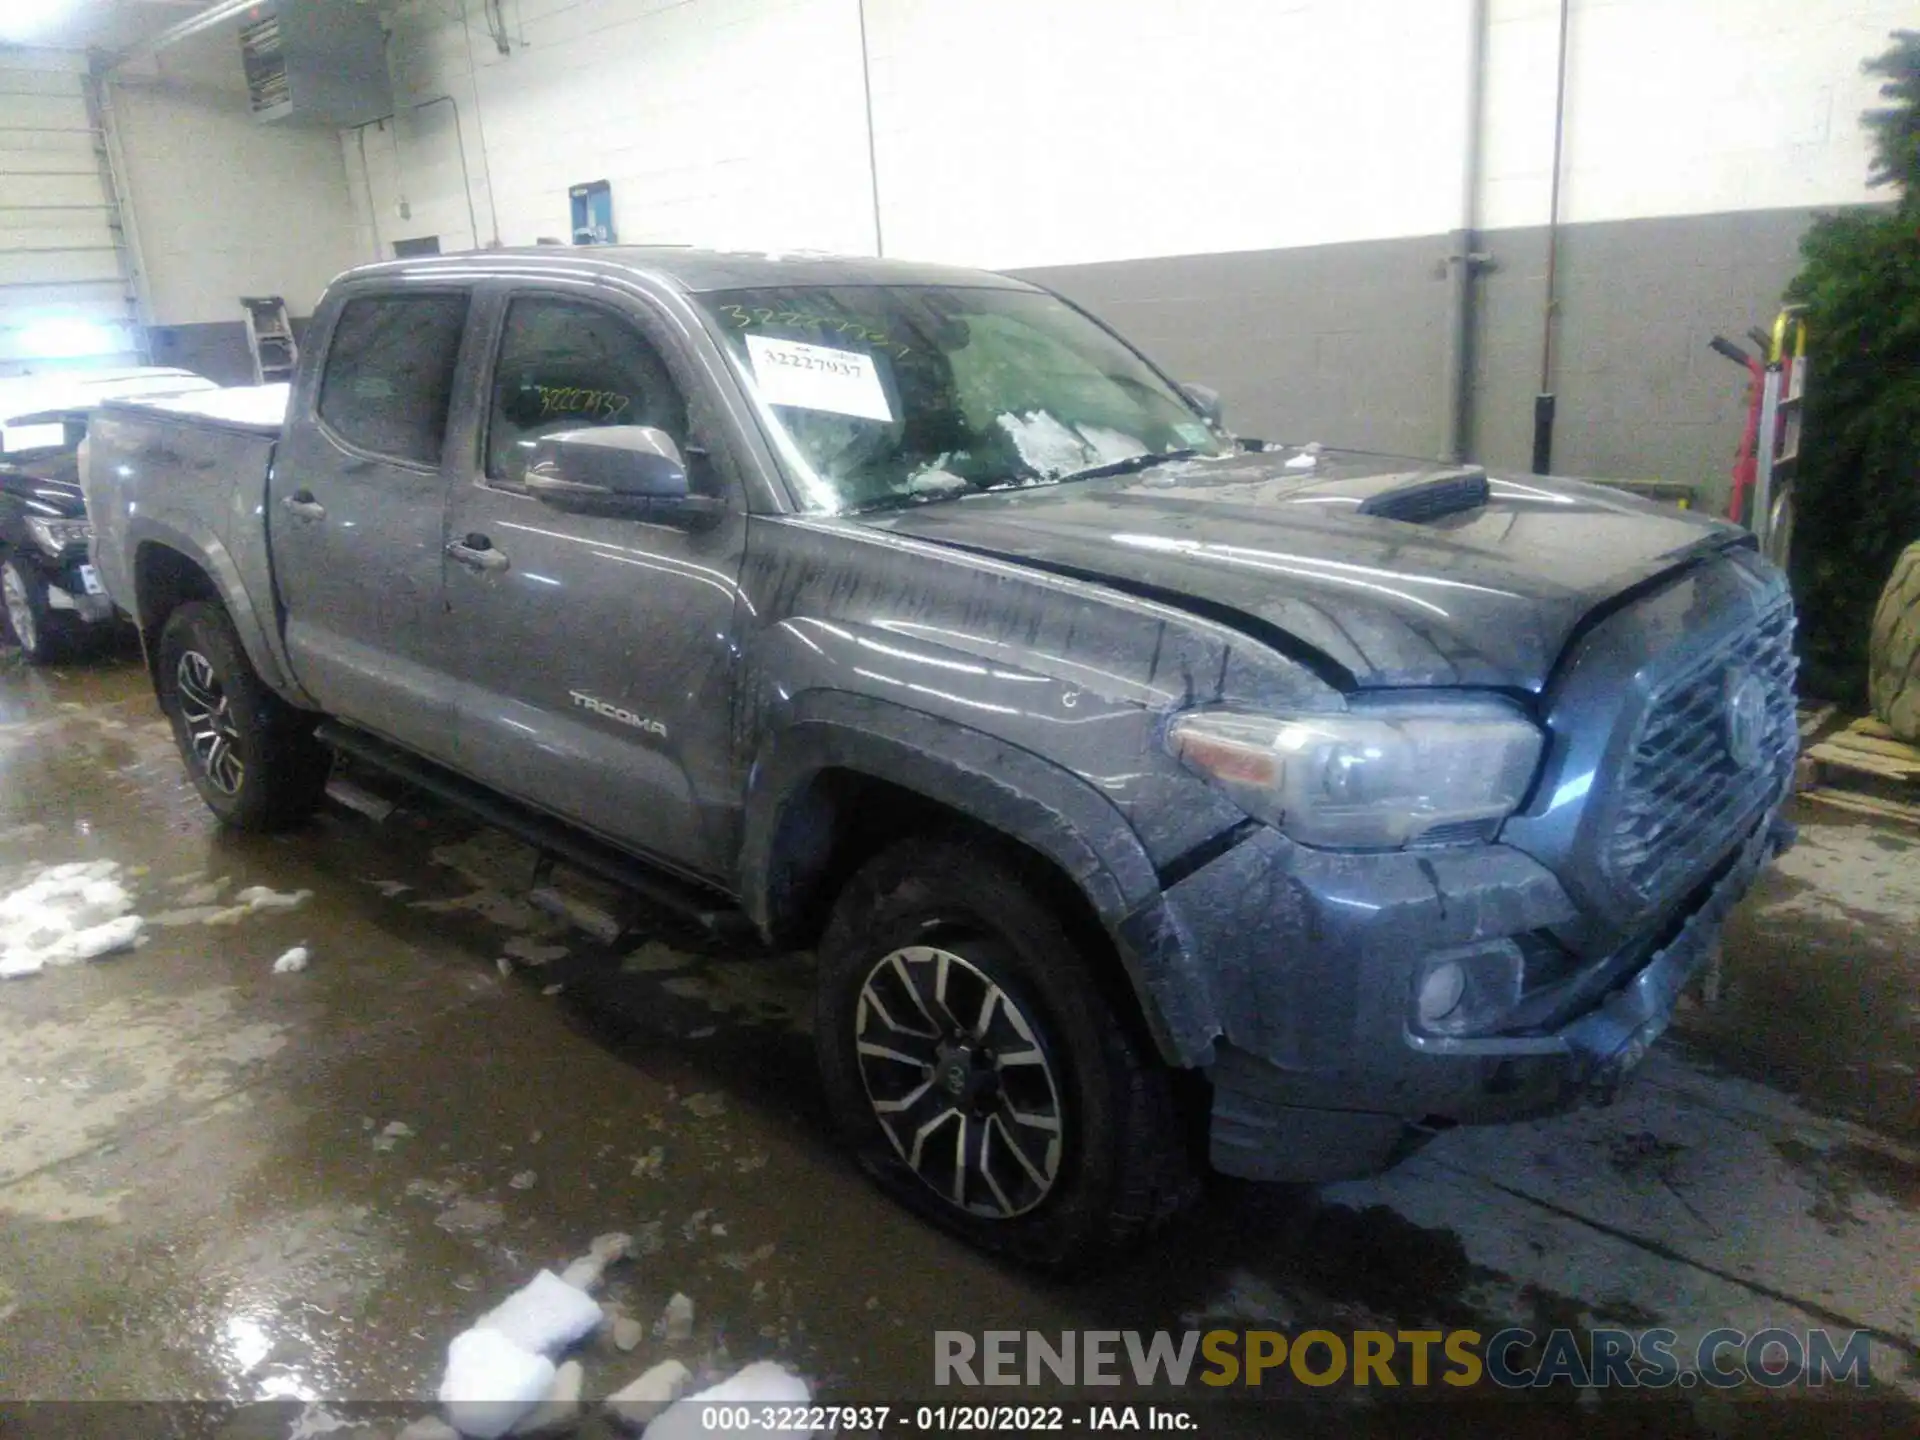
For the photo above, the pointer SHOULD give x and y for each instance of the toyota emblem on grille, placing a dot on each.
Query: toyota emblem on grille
(1746, 718)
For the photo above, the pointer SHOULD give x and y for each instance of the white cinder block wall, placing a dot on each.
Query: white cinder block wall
(1015, 133)
(225, 206)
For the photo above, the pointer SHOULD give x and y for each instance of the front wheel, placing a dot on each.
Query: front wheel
(46, 635)
(977, 1069)
(252, 757)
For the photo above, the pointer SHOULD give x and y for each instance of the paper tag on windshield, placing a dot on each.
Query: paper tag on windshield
(814, 377)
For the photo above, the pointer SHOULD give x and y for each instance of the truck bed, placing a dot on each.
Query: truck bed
(188, 472)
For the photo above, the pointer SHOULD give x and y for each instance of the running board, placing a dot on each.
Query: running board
(705, 905)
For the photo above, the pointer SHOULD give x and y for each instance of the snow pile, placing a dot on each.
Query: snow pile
(491, 1382)
(500, 1374)
(293, 962)
(66, 914)
(253, 900)
(544, 1315)
(761, 1384)
(636, 1404)
(505, 1376)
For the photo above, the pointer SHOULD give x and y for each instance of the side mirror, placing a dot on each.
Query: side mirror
(631, 470)
(1206, 400)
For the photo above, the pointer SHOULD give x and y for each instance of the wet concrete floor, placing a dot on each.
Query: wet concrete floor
(219, 1183)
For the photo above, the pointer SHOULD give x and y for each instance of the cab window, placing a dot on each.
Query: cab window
(389, 374)
(566, 366)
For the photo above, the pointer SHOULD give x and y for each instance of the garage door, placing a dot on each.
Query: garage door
(66, 298)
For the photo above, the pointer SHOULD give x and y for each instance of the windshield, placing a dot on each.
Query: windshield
(47, 440)
(895, 394)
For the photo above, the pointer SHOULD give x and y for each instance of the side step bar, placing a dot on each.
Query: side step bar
(705, 905)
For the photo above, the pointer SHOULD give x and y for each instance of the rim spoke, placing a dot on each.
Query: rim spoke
(920, 1135)
(1003, 1058)
(881, 1052)
(899, 960)
(987, 1007)
(986, 1163)
(1032, 1122)
(960, 1164)
(869, 998)
(942, 963)
(905, 1102)
(1020, 1155)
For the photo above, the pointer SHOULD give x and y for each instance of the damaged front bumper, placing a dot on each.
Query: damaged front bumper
(1321, 1070)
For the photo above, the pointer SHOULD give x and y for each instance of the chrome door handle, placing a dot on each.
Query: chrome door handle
(303, 506)
(477, 557)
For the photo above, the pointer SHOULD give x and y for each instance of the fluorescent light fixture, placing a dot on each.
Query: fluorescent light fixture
(24, 19)
(14, 438)
(67, 339)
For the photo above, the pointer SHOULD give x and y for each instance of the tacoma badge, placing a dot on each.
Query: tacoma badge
(614, 712)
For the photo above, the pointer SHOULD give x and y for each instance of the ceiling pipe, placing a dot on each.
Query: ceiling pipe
(1464, 261)
(1544, 402)
(215, 14)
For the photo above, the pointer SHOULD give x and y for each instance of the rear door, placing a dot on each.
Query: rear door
(595, 652)
(356, 513)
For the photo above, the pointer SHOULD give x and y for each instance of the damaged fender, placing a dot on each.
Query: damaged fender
(1006, 788)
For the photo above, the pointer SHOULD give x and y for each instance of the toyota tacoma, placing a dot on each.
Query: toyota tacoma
(1152, 798)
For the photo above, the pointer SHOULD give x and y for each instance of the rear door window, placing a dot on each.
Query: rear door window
(389, 374)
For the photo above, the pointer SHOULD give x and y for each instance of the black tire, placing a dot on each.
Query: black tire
(1120, 1168)
(1893, 658)
(45, 635)
(256, 762)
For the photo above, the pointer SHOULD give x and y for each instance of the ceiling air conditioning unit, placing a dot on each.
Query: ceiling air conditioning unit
(320, 61)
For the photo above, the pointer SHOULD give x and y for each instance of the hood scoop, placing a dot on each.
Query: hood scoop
(1427, 500)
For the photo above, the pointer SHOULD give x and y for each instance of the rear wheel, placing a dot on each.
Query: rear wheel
(1893, 664)
(46, 636)
(252, 756)
(976, 1067)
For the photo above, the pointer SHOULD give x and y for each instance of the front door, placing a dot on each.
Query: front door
(356, 510)
(597, 666)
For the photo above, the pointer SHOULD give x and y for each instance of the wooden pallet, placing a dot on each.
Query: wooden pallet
(1862, 768)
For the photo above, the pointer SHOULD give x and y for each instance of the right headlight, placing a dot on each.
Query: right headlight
(1379, 776)
(55, 536)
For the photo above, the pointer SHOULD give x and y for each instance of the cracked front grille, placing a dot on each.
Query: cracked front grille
(1686, 800)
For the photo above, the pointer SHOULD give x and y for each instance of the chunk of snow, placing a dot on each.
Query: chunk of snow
(260, 897)
(585, 1272)
(628, 1333)
(491, 1382)
(522, 1180)
(428, 1427)
(544, 1315)
(561, 1406)
(66, 914)
(762, 1383)
(676, 1321)
(293, 962)
(637, 1403)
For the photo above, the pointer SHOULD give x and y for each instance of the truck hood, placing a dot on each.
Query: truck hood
(1486, 595)
(43, 487)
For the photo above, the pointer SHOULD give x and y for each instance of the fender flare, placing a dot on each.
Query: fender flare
(206, 552)
(1010, 790)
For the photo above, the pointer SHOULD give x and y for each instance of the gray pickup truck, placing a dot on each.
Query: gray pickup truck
(1152, 798)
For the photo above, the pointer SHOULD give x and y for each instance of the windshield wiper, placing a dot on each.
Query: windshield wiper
(907, 499)
(1129, 466)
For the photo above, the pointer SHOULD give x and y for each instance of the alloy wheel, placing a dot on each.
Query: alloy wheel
(19, 606)
(208, 717)
(960, 1080)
